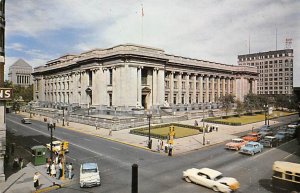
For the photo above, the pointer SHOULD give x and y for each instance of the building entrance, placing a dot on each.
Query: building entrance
(144, 101)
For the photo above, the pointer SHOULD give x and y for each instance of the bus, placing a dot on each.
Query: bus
(286, 176)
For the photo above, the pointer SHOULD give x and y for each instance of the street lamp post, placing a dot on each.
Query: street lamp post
(30, 106)
(266, 108)
(149, 115)
(51, 126)
(63, 124)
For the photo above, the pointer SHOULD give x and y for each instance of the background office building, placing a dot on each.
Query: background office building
(133, 76)
(20, 73)
(275, 70)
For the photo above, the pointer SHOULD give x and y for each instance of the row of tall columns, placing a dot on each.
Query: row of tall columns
(208, 90)
(23, 79)
(139, 86)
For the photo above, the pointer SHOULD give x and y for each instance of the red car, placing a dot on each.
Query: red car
(252, 137)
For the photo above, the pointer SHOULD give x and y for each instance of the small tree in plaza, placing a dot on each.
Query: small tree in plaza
(250, 102)
(226, 102)
(239, 107)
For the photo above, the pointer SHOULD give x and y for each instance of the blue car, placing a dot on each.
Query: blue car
(252, 148)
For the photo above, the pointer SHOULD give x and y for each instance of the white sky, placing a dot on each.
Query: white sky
(214, 30)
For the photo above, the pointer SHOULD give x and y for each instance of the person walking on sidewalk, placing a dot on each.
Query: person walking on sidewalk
(53, 169)
(70, 168)
(158, 145)
(59, 171)
(36, 183)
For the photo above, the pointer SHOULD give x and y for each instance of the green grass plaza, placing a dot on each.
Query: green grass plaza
(161, 131)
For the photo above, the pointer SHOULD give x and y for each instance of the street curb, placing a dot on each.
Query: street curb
(52, 187)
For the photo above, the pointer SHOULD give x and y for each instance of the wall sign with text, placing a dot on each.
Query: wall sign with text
(6, 94)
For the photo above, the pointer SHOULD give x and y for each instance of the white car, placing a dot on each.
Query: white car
(56, 146)
(89, 175)
(212, 179)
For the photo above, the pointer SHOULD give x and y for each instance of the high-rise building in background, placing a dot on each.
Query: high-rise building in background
(275, 70)
(2, 103)
(19, 73)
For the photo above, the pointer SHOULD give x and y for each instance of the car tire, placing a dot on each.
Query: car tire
(215, 188)
(187, 179)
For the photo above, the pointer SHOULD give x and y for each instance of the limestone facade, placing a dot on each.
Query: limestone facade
(132, 76)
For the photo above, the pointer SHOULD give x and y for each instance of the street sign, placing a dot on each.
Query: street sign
(6, 94)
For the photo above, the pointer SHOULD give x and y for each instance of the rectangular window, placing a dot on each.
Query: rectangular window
(110, 100)
(110, 76)
(288, 175)
(90, 78)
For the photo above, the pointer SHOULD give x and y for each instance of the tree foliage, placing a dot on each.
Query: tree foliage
(226, 102)
(26, 93)
(239, 107)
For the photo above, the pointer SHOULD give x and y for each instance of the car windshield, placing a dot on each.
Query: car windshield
(218, 177)
(249, 145)
(90, 170)
(280, 133)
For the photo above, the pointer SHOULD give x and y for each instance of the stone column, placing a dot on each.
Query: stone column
(194, 88)
(212, 89)
(172, 87)
(223, 86)
(218, 87)
(228, 86)
(179, 88)
(201, 88)
(161, 86)
(234, 87)
(187, 88)
(206, 97)
(139, 85)
(154, 86)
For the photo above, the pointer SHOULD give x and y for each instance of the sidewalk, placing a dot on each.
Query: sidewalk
(22, 181)
(182, 145)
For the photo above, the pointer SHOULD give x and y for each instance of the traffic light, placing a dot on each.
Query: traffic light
(62, 146)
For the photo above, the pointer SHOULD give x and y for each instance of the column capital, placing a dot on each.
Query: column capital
(140, 67)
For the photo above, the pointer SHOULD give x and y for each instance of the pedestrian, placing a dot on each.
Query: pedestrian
(56, 158)
(16, 163)
(53, 169)
(196, 123)
(21, 163)
(158, 145)
(48, 168)
(170, 150)
(97, 126)
(217, 128)
(70, 168)
(110, 132)
(59, 171)
(36, 180)
(161, 144)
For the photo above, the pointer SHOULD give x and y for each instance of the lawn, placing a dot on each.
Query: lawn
(246, 119)
(179, 131)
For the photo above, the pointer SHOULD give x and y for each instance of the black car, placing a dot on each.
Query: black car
(26, 121)
(269, 141)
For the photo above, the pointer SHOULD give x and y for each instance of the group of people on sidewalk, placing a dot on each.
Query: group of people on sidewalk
(207, 127)
(55, 168)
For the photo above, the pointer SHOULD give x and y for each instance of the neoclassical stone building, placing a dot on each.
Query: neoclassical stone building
(19, 73)
(131, 76)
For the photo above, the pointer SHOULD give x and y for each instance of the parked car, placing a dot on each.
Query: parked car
(291, 130)
(251, 148)
(269, 141)
(89, 175)
(265, 132)
(26, 121)
(251, 137)
(56, 146)
(282, 136)
(212, 179)
(235, 144)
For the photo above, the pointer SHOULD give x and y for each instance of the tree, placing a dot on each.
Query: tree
(239, 107)
(226, 102)
(250, 102)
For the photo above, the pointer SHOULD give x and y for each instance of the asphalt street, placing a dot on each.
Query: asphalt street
(157, 172)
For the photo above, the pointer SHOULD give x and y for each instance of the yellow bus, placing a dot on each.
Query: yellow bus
(286, 175)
